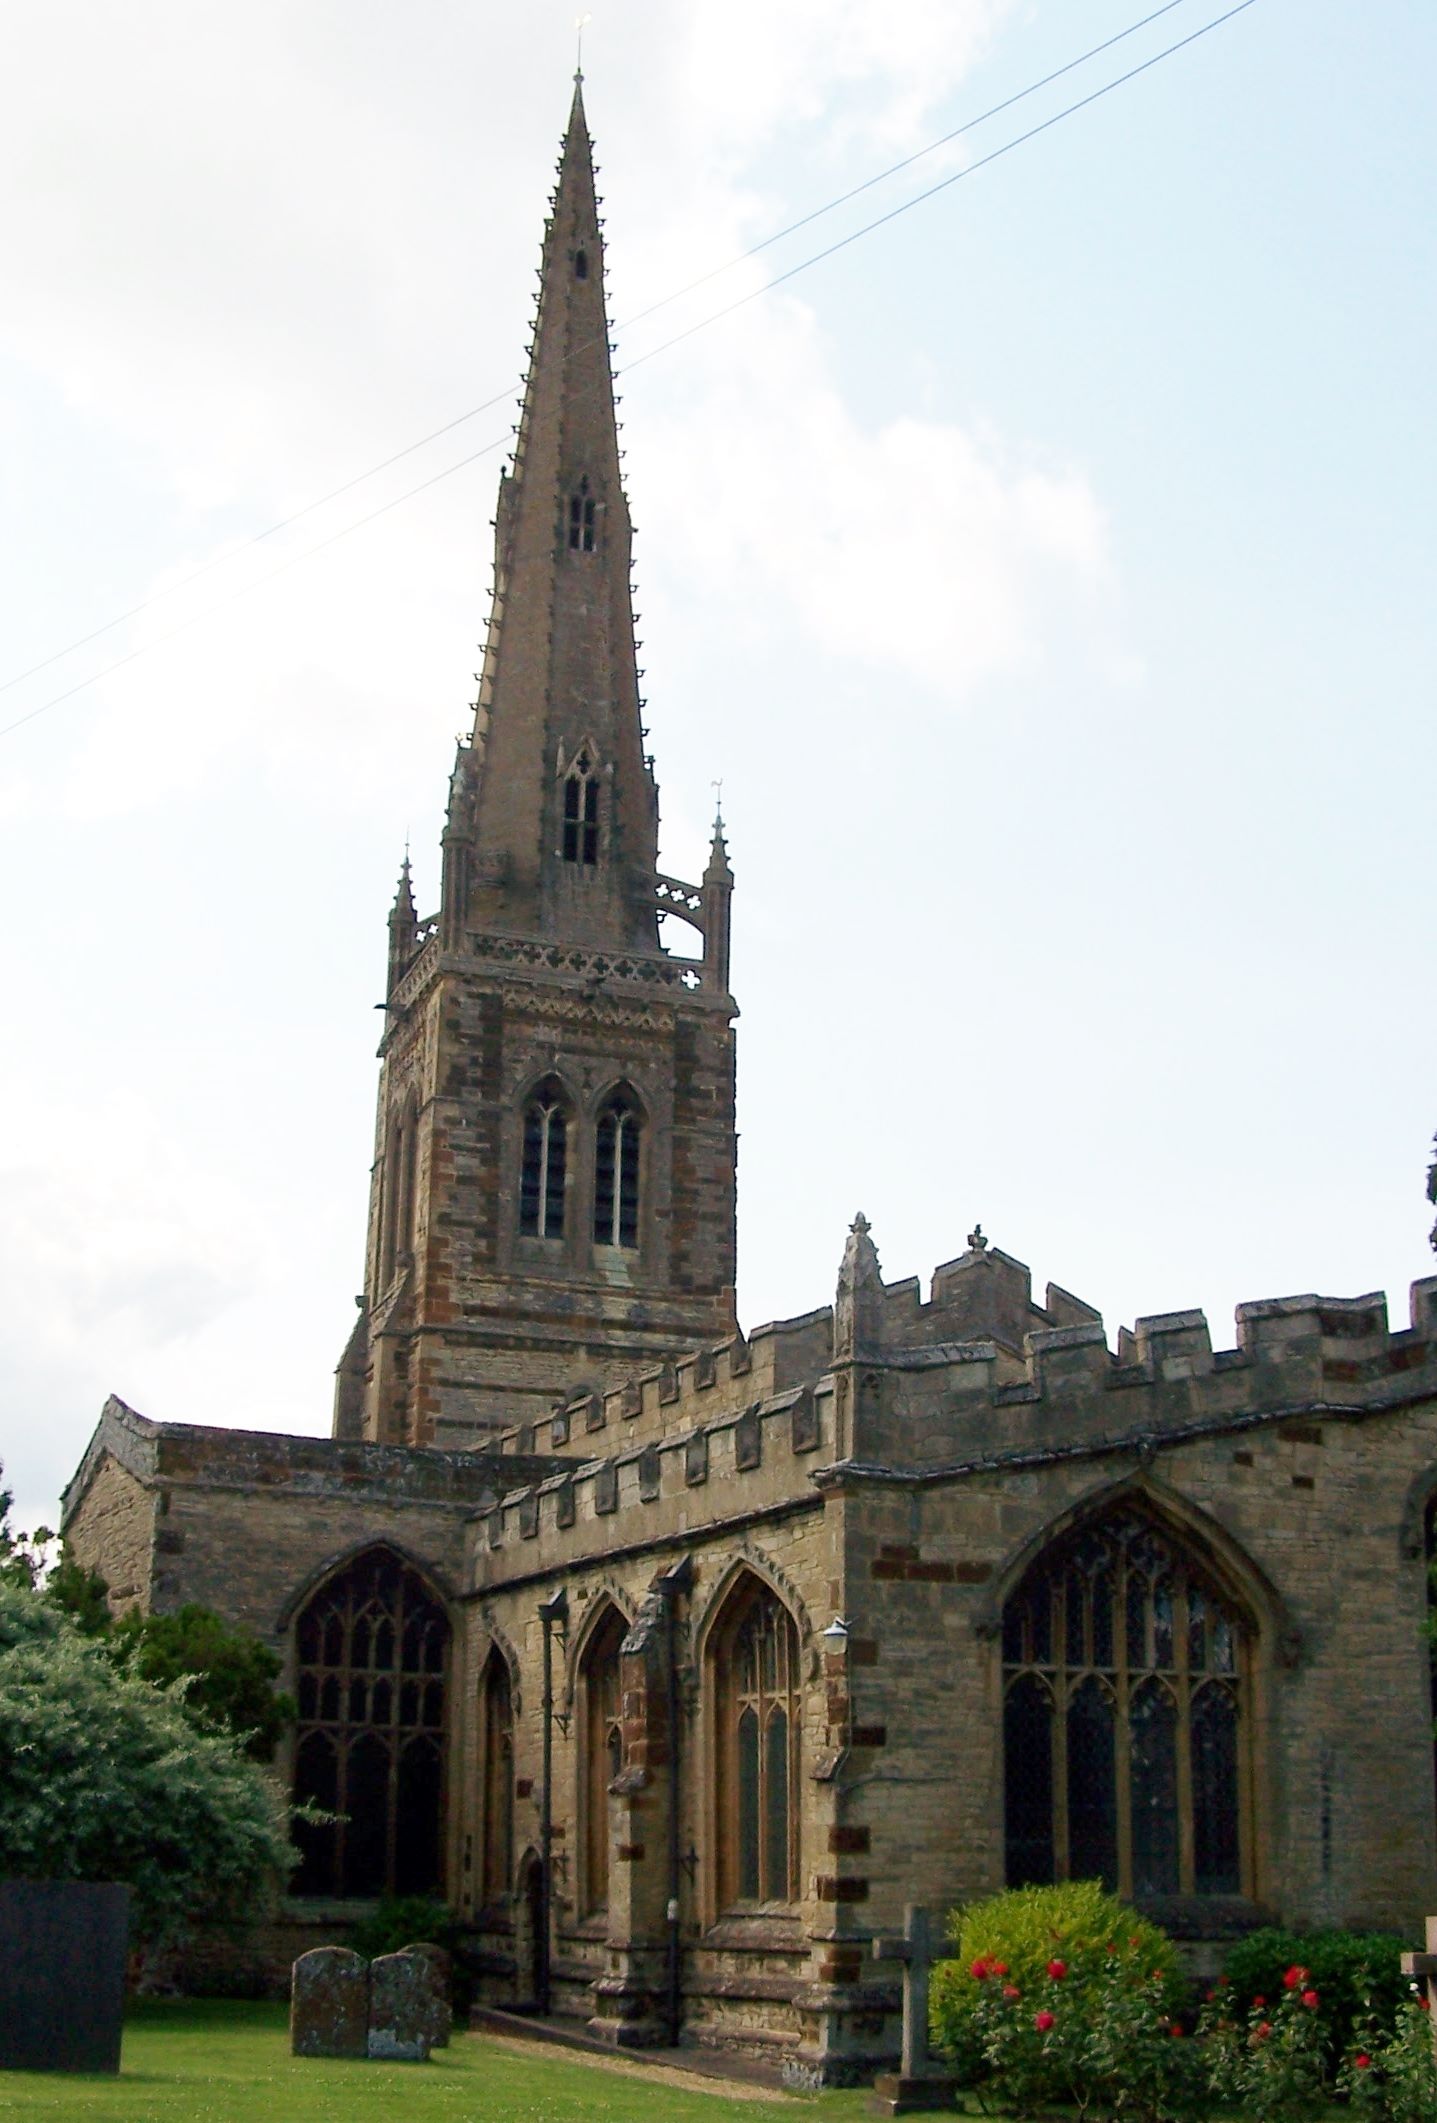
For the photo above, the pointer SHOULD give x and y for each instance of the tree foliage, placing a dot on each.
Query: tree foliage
(105, 1776)
(229, 1676)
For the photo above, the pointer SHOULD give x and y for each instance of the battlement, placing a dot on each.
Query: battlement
(740, 1461)
(714, 1380)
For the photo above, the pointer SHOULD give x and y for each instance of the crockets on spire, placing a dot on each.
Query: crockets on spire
(554, 823)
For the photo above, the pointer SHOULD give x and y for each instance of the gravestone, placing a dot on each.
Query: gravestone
(63, 1945)
(916, 2085)
(1423, 1968)
(441, 1970)
(329, 2004)
(401, 2006)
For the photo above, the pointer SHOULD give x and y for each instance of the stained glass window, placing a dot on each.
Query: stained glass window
(756, 1659)
(497, 1870)
(1123, 1726)
(603, 1743)
(373, 1653)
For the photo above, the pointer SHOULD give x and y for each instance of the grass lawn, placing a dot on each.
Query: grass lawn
(211, 2061)
(203, 2061)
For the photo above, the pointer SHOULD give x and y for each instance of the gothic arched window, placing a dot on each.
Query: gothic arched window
(496, 1870)
(616, 1172)
(755, 1665)
(373, 1654)
(545, 1161)
(581, 812)
(396, 1198)
(601, 1739)
(1124, 1717)
(581, 513)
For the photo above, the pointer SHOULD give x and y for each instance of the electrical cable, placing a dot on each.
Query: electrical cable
(664, 346)
(229, 553)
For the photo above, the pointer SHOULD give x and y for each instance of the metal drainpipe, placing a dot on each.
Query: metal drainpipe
(675, 1580)
(552, 1612)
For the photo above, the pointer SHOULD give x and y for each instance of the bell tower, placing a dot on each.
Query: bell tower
(552, 1203)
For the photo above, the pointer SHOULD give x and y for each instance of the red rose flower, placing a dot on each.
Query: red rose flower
(1258, 2003)
(1424, 2001)
(1057, 1970)
(997, 1968)
(1261, 2033)
(980, 1970)
(1175, 2029)
(1294, 1979)
(1011, 1991)
(1362, 2061)
(1309, 1999)
(1042, 2021)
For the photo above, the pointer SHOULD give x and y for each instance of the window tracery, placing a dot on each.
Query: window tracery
(372, 1653)
(581, 812)
(582, 517)
(1124, 1718)
(497, 1865)
(543, 1171)
(616, 1172)
(756, 1676)
(602, 1739)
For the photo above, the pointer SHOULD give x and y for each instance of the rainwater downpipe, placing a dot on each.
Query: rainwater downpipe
(675, 1580)
(553, 1613)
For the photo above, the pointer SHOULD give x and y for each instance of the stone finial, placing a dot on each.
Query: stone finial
(860, 1291)
(718, 871)
(402, 914)
(977, 1243)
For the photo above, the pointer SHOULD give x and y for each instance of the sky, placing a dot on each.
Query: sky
(1046, 576)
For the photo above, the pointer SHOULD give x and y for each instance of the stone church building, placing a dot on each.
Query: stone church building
(680, 1659)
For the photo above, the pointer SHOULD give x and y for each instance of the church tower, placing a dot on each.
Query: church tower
(553, 1193)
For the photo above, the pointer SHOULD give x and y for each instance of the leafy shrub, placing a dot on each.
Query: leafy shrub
(1064, 1994)
(403, 1920)
(1267, 2057)
(1357, 1975)
(104, 1777)
(1393, 2074)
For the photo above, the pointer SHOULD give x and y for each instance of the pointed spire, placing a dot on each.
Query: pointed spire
(718, 871)
(403, 909)
(858, 1303)
(403, 925)
(560, 677)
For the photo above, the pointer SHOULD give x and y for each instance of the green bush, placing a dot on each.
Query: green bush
(1267, 2060)
(1393, 2076)
(1356, 1974)
(404, 1920)
(1084, 1962)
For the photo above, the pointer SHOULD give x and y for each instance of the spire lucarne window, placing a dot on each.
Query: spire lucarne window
(581, 812)
(581, 519)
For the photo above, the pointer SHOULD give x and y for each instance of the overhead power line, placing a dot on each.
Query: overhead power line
(702, 324)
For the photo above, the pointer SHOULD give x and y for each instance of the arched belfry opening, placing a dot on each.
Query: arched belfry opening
(543, 1179)
(1126, 1715)
(617, 1145)
(372, 1668)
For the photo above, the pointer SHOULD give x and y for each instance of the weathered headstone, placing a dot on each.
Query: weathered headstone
(441, 1970)
(916, 2085)
(62, 1974)
(401, 2006)
(329, 2004)
(1423, 1967)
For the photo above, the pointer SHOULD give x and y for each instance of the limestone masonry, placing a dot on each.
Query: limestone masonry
(677, 1660)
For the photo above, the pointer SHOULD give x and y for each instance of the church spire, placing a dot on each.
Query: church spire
(555, 803)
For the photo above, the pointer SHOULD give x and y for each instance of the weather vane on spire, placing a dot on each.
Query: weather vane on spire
(717, 787)
(579, 22)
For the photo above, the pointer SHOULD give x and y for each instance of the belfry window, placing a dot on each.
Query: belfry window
(757, 1705)
(582, 515)
(581, 812)
(373, 1654)
(581, 265)
(616, 1173)
(602, 1735)
(1124, 1718)
(542, 1175)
